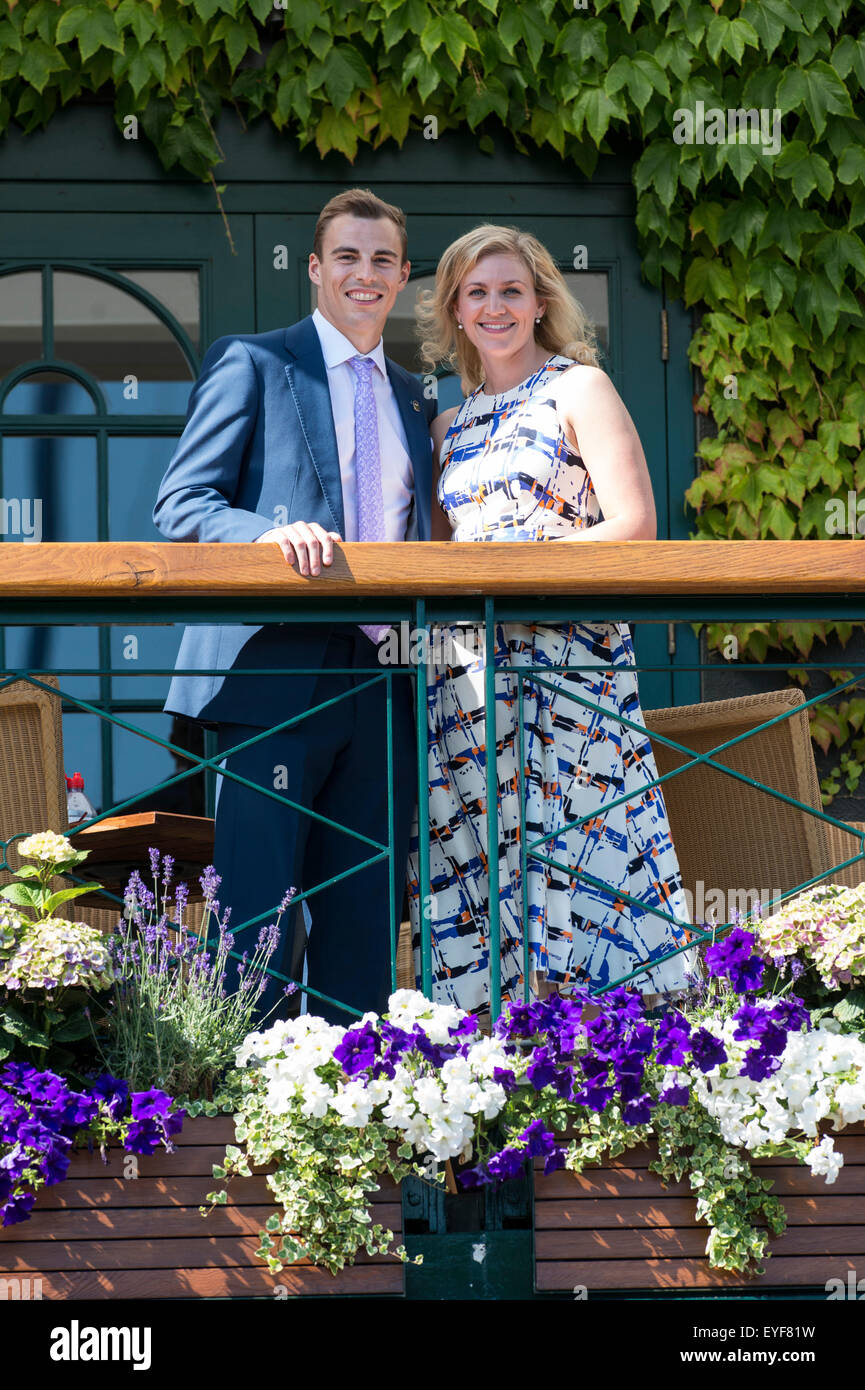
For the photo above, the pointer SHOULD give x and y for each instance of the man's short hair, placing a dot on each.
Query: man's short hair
(359, 202)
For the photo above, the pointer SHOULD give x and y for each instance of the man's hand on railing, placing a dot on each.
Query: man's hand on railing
(305, 541)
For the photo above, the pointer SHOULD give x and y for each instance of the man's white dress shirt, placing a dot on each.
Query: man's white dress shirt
(397, 474)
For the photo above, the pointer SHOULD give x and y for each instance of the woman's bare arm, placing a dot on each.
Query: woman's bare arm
(597, 422)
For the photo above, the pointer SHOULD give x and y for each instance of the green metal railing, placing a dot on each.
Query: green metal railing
(110, 604)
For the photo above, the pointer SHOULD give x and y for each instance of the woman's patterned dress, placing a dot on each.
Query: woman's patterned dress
(508, 474)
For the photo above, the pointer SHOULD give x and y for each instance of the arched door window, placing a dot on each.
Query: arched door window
(96, 366)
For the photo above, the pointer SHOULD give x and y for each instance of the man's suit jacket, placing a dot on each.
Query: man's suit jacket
(259, 437)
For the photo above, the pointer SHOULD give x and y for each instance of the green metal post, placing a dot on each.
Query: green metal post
(423, 808)
(492, 807)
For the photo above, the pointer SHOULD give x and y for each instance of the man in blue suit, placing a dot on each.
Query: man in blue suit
(301, 437)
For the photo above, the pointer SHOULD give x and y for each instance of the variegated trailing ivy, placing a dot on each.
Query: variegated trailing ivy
(766, 241)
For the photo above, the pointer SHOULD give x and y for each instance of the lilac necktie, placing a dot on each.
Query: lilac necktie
(370, 503)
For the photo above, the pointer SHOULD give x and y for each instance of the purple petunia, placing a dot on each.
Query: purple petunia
(554, 1160)
(113, 1094)
(358, 1049)
(541, 1071)
(735, 957)
(507, 1164)
(675, 1095)
(673, 1036)
(474, 1177)
(639, 1110)
(707, 1050)
(41, 1116)
(150, 1105)
(539, 1139)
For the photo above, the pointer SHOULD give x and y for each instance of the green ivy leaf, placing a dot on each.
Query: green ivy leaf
(771, 278)
(303, 16)
(708, 279)
(458, 36)
(94, 29)
(534, 30)
(740, 222)
(851, 166)
(776, 520)
(510, 29)
(38, 63)
(740, 158)
(819, 89)
(178, 36)
(237, 37)
(206, 9)
(492, 97)
(262, 9)
(831, 434)
(848, 55)
(659, 165)
(730, 36)
(584, 41)
(191, 144)
(596, 109)
(396, 113)
(624, 74)
(771, 20)
(786, 228)
(708, 218)
(837, 252)
(139, 18)
(805, 169)
(344, 71)
(336, 131)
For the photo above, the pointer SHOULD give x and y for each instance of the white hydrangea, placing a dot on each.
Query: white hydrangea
(48, 847)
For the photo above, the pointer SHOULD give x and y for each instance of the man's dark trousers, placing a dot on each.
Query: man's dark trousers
(335, 764)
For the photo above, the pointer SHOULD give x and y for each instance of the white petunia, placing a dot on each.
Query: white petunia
(823, 1159)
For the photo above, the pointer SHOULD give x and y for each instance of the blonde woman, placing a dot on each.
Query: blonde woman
(542, 449)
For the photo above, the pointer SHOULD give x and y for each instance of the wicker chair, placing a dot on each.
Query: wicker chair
(32, 784)
(732, 836)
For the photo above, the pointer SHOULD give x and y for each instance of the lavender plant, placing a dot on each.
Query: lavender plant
(171, 1022)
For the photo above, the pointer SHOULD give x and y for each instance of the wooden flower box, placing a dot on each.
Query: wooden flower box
(617, 1227)
(99, 1234)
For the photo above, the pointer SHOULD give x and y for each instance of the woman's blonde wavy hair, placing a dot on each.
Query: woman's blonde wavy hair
(564, 327)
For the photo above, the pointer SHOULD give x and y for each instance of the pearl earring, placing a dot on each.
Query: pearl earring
(538, 319)
(459, 325)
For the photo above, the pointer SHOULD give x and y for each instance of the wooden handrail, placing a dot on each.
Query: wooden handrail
(427, 569)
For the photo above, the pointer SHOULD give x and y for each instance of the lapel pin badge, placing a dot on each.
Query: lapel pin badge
(415, 405)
